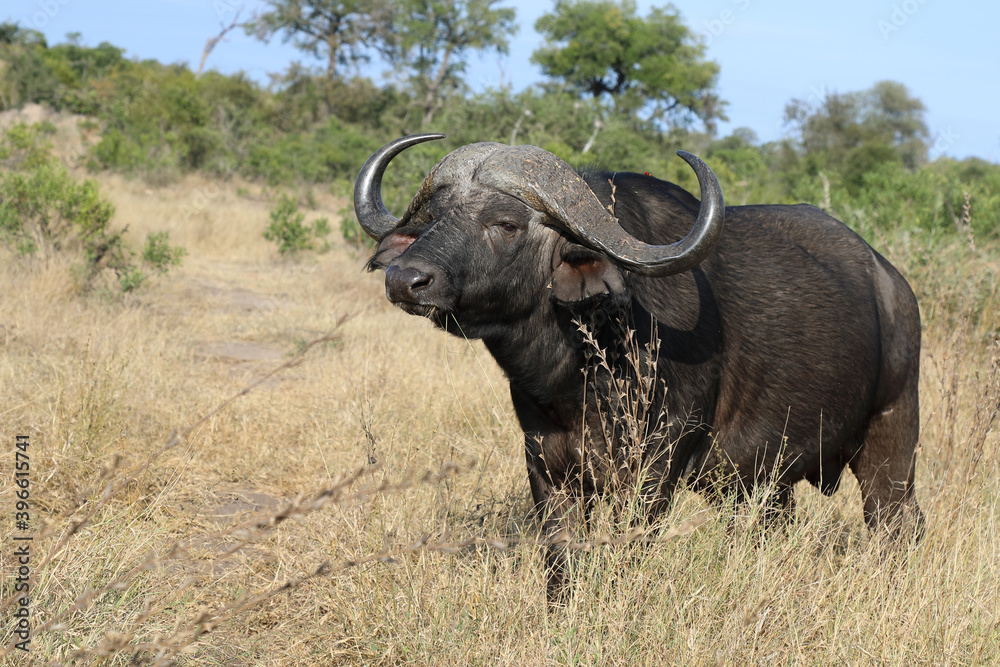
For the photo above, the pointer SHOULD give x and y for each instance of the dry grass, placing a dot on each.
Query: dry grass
(368, 505)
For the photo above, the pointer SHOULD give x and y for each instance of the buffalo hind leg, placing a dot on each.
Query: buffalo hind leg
(885, 466)
(779, 507)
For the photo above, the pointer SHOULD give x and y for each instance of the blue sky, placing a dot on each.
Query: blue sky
(769, 51)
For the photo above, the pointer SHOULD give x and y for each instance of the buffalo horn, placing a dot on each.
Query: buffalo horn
(368, 206)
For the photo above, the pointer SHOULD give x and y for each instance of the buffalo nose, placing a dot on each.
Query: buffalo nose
(404, 284)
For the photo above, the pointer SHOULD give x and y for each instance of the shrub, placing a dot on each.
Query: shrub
(24, 74)
(44, 210)
(158, 255)
(289, 231)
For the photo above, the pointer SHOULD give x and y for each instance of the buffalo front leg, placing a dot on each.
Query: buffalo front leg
(558, 512)
(561, 514)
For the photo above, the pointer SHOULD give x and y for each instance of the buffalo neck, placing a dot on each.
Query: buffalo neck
(549, 365)
(542, 362)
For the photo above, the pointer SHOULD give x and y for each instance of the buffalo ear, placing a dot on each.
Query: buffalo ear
(579, 273)
(392, 245)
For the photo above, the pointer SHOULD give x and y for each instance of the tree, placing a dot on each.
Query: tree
(212, 42)
(431, 38)
(739, 163)
(852, 133)
(337, 30)
(24, 76)
(654, 63)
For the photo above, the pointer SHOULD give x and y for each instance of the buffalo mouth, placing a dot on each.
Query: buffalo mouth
(435, 314)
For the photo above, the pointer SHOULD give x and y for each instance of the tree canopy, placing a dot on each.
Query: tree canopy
(855, 132)
(431, 38)
(652, 64)
(338, 30)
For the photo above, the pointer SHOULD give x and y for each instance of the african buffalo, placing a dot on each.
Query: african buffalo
(781, 346)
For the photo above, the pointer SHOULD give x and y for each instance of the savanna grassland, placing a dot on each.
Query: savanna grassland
(257, 460)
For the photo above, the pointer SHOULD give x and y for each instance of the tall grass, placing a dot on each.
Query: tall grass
(367, 504)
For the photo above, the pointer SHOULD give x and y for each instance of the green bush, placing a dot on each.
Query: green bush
(26, 76)
(289, 231)
(44, 210)
(931, 199)
(159, 255)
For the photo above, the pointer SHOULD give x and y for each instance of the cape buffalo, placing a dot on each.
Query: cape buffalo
(781, 347)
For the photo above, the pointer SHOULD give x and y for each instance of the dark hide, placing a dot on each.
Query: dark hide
(789, 353)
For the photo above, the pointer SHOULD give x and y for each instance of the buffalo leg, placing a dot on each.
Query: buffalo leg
(557, 510)
(657, 492)
(561, 513)
(779, 507)
(885, 466)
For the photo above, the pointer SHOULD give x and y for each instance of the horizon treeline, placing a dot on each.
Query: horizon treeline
(864, 156)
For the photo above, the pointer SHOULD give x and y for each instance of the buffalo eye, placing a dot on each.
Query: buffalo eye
(506, 227)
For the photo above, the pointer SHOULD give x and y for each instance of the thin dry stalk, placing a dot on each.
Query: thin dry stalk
(112, 488)
(986, 412)
(966, 225)
(205, 622)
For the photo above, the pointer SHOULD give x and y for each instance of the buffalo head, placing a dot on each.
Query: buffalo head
(494, 227)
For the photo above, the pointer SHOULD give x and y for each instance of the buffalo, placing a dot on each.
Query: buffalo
(726, 348)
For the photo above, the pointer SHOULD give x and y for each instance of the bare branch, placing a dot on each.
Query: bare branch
(212, 41)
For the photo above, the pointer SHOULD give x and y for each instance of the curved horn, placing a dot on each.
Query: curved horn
(548, 184)
(368, 206)
(665, 260)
